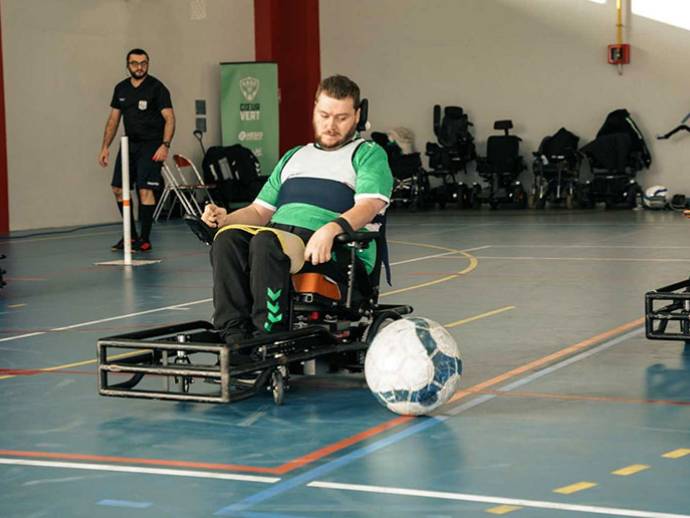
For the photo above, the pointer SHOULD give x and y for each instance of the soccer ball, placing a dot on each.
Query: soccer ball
(655, 197)
(413, 366)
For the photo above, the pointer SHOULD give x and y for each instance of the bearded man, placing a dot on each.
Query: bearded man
(339, 183)
(144, 104)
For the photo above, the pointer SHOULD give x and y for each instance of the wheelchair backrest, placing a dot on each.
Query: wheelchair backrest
(611, 152)
(563, 143)
(503, 151)
(620, 121)
(454, 128)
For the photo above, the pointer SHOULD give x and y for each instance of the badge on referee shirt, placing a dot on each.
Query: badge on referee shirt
(142, 105)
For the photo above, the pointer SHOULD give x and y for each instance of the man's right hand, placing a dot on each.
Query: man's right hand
(213, 215)
(103, 157)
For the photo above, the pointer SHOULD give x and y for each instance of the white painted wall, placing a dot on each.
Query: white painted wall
(62, 59)
(540, 62)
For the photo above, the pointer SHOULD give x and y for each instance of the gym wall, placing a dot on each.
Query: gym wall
(541, 63)
(62, 59)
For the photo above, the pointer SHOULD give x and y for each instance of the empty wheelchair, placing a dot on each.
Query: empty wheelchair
(556, 169)
(615, 157)
(500, 169)
(450, 155)
(410, 181)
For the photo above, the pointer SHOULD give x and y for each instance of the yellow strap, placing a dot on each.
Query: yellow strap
(291, 244)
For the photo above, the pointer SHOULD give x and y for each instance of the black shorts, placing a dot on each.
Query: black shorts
(143, 171)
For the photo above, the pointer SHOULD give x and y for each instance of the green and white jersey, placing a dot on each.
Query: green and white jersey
(310, 186)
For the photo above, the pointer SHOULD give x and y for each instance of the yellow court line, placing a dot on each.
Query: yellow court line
(13, 306)
(503, 509)
(574, 488)
(473, 262)
(477, 317)
(630, 470)
(677, 454)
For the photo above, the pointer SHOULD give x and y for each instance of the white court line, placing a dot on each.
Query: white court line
(601, 259)
(176, 306)
(537, 504)
(137, 469)
(110, 319)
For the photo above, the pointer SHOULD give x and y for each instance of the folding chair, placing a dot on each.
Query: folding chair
(184, 196)
(186, 185)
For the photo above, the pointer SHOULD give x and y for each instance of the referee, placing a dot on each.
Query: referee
(149, 121)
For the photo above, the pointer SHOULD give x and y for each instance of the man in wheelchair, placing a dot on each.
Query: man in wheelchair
(338, 184)
(293, 280)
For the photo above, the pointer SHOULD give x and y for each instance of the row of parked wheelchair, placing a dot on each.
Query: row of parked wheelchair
(614, 158)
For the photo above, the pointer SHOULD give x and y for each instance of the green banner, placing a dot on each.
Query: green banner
(249, 109)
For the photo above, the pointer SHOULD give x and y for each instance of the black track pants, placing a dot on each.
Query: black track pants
(251, 277)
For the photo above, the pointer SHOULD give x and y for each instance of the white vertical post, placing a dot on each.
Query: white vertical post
(126, 201)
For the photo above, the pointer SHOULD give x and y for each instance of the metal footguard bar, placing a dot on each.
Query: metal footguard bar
(667, 312)
(239, 370)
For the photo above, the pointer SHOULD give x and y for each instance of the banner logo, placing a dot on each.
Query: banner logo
(249, 86)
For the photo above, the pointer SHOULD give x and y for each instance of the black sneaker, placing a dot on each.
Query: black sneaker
(120, 245)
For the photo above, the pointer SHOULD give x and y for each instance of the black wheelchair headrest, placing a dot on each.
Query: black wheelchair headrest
(453, 112)
(363, 115)
(504, 125)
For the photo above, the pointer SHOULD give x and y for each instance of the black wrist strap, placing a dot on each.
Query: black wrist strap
(343, 223)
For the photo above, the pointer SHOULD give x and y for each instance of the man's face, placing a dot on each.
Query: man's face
(335, 121)
(138, 65)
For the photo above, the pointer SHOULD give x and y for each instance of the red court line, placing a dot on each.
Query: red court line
(135, 460)
(336, 446)
(36, 372)
(344, 443)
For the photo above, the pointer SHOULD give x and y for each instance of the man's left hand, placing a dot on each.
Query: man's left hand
(318, 249)
(161, 154)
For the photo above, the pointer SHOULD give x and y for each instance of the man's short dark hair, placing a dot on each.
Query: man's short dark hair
(339, 87)
(138, 52)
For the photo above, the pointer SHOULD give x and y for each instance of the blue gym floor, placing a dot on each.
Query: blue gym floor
(566, 410)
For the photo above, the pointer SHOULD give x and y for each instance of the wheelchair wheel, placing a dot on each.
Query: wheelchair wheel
(277, 386)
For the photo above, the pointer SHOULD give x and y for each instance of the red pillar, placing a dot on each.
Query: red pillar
(288, 33)
(4, 193)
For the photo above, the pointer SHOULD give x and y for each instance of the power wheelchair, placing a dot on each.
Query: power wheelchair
(667, 309)
(410, 182)
(450, 155)
(500, 168)
(556, 169)
(615, 156)
(332, 325)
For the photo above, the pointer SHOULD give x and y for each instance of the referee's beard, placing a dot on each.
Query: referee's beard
(138, 74)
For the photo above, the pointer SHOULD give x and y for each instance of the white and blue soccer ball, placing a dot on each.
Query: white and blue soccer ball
(655, 197)
(413, 366)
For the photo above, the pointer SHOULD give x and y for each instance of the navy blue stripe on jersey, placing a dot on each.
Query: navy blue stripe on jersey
(327, 194)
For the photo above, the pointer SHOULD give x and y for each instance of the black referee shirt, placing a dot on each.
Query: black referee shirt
(141, 108)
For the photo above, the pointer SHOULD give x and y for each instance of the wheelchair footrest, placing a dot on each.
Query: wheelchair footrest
(667, 312)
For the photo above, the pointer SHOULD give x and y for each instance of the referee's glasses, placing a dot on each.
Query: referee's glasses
(138, 64)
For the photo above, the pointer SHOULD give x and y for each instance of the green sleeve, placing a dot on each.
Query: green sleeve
(374, 175)
(269, 192)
